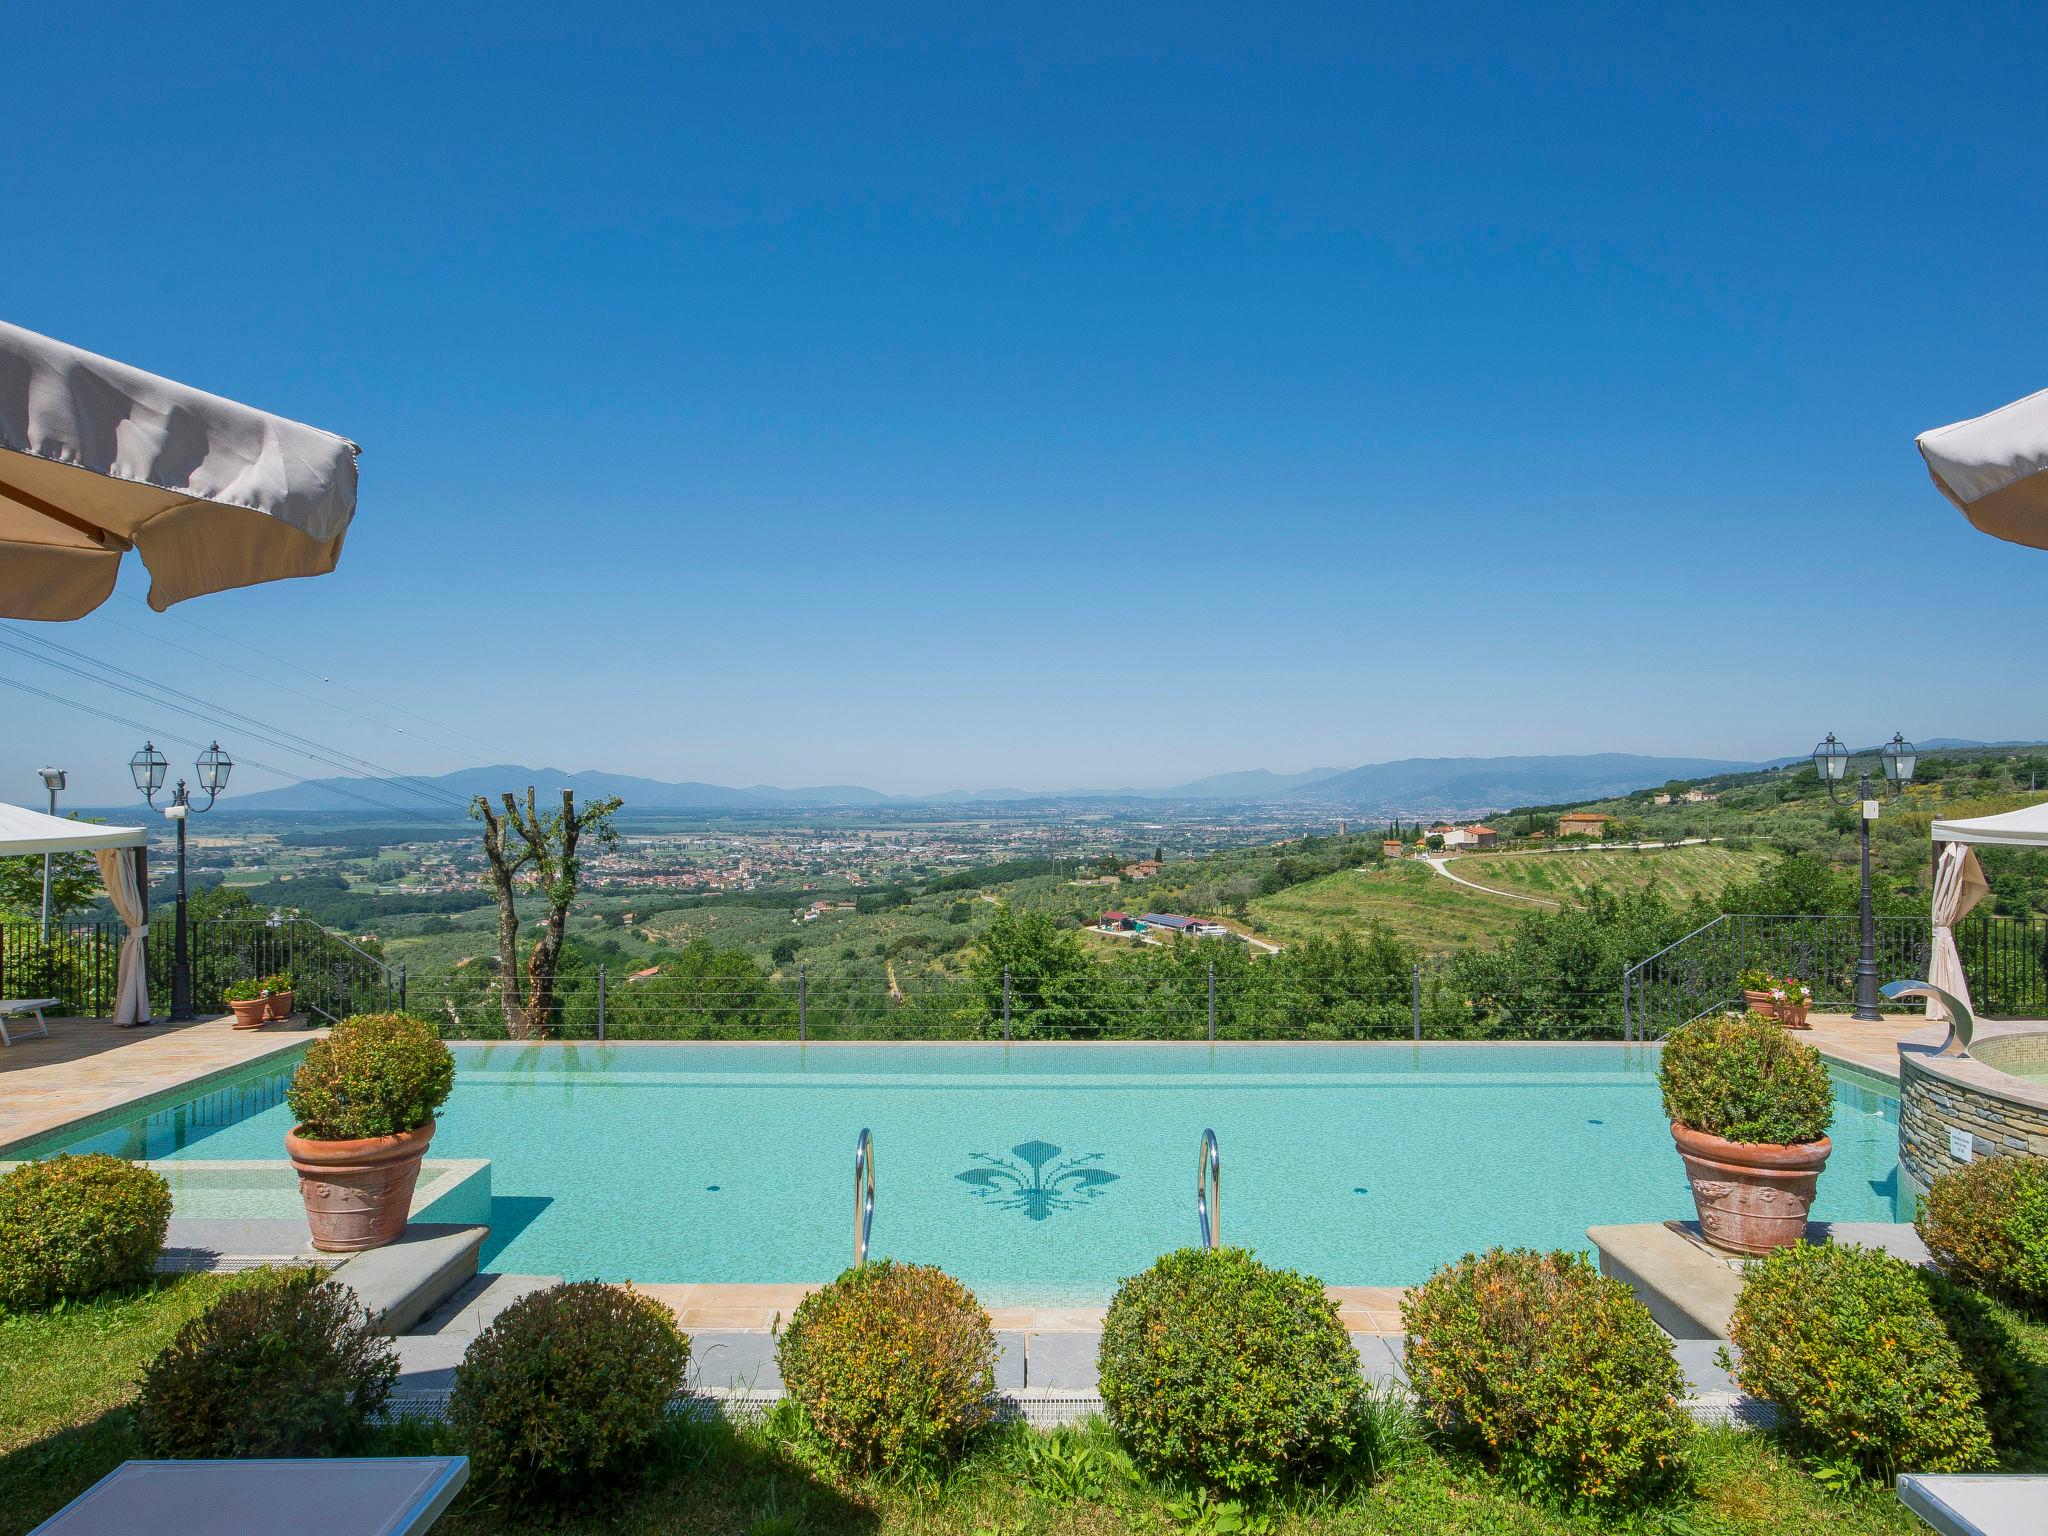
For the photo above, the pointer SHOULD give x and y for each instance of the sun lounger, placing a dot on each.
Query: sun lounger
(1978, 1503)
(317, 1496)
(10, 1007)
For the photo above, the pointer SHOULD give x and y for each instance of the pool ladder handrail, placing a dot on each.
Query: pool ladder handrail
(1209, 1191)
(863, 1194)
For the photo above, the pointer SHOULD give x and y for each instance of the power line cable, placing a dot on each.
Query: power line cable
(155, 731)
(280, 736)
(508, 753)
(311, 698)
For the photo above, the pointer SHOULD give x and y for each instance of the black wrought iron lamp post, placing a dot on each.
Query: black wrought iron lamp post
(1831, 762)
(148, 768)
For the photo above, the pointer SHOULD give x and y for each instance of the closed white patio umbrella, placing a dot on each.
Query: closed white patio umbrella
(1995, 469)
(97, 458)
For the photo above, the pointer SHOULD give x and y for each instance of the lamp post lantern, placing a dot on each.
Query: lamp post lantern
(1831, 763)
(148, 767)
(53, 780)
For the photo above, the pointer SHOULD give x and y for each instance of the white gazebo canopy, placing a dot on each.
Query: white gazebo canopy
(122, 854)
(1959, 884)
(2026, 828)
(26, 831)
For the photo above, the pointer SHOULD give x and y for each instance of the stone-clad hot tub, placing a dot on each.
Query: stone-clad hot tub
(1991, 1103)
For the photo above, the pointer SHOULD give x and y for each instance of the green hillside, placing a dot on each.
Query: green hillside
(1423, 908)
(1700, 870)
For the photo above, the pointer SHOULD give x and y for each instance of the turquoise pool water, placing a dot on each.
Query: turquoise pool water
(1042, 1173)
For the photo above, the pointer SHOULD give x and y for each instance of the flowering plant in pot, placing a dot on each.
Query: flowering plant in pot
(364, 1099)
(1750, 1109)
(246, 1001)
(1790, 1000)
(277, 989)
(1757, 985)
(1784, 998)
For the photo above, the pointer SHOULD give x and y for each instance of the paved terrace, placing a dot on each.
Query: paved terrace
(90, 1067)
(1871, 1047)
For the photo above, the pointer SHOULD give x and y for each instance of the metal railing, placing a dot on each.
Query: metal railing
(1701, 973)
(332, 976)
(2006, 961)
(1425, 1000)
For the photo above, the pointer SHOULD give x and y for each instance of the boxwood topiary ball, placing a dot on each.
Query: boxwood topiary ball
(1987, 1225)
(286, 1366)
(1550, 1370)
(73, 1226)
(894, 1366)
(1218, 1369)
(376, 1074)
(559, 1397)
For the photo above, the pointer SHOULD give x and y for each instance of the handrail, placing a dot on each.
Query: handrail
(1209, 1191)
(863, 1194)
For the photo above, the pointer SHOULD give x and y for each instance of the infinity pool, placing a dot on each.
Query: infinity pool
(1044, 1172)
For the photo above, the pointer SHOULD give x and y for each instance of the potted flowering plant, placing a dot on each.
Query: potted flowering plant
(1792, 998)
(365, 1099)
(249, 1005)
(277, 989)
(1757, 985)
(1784, 998)
(1750, 1109)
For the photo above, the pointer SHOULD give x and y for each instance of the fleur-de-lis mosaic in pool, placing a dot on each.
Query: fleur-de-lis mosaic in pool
(1029, 1180)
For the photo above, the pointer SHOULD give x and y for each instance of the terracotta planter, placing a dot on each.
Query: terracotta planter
(1793, 1015)
(1760, 1002)
(250, 1013)
(280, 1006)
(1752, 1197)
(357, 1193)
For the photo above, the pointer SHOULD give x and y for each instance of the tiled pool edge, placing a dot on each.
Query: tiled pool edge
(157, 1096)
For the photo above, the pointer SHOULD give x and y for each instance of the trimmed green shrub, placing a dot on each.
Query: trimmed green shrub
(1995, 1352)
(78, 1225)
(1746, 1080)
(1552, 1371)
(285, 1366)
(893, 1366)
(1847, 1343)
(376, 1074)
(1987, 1225)
(1218, 1369)
(558, 1399)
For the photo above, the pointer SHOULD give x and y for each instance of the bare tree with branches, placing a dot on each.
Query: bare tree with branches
(525, 848)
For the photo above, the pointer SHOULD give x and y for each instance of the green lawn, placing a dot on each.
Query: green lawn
(67, 1379)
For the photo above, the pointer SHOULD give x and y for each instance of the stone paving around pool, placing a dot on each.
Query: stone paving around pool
(90, 1067)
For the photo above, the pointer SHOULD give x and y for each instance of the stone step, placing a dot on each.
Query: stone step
(476, 1303)
(402, 1282)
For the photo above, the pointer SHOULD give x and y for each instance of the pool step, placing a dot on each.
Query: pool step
(1691, 1289)
(402, 1282)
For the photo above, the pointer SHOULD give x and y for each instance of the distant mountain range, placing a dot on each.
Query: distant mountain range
(1416, 786)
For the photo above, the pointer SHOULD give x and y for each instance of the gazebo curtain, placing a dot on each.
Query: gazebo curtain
(1959, 885)
(120, 872)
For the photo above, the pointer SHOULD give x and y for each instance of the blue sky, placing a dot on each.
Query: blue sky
(1068, 396)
